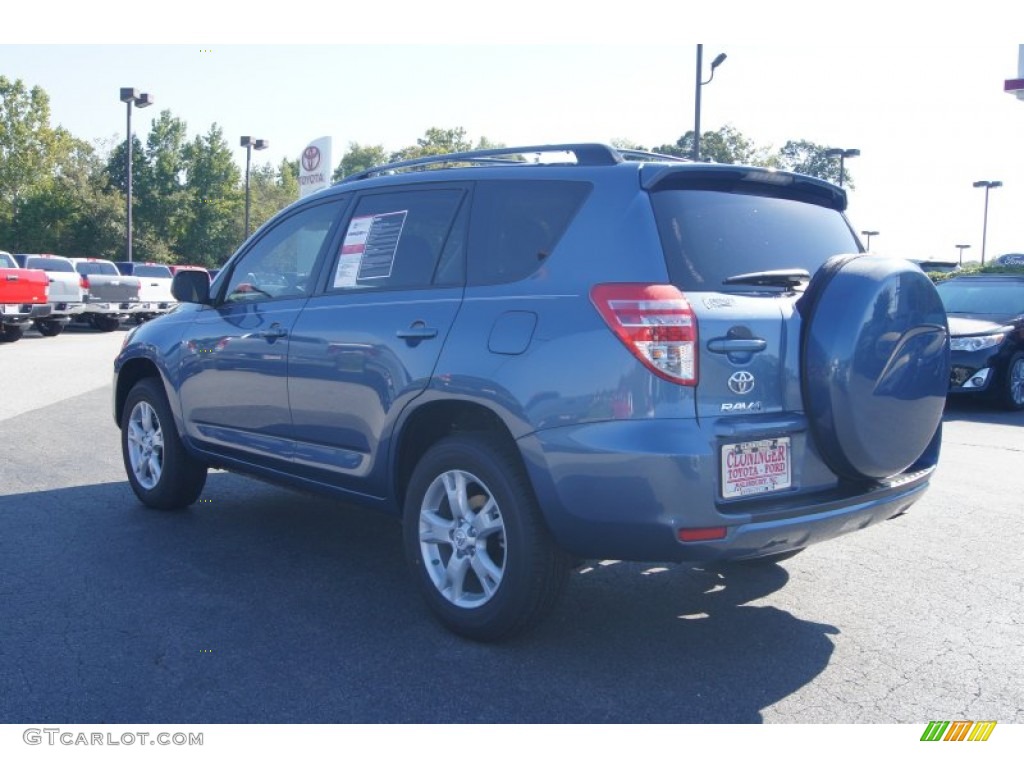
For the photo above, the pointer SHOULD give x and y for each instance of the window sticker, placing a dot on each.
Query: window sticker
(368, 252)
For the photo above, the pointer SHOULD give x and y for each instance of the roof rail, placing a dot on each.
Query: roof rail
(642, 154)
(586, 154)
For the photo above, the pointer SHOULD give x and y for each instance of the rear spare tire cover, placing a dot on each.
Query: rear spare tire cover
(875, 364)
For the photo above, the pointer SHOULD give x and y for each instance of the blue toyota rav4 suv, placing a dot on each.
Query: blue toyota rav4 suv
(545, 354)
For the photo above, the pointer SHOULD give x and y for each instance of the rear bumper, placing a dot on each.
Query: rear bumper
(67, 309)
(116, 308)
(605, 497)
(24, 314)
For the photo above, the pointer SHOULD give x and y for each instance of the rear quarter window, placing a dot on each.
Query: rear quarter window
(709, 236)
(517, 224)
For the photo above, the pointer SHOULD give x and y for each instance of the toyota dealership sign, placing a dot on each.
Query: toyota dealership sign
(315, 166)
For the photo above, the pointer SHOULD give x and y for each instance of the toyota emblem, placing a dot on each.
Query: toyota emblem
(741, 382)
(311, 159)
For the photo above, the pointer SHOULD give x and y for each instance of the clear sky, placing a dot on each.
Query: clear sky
(927, 111)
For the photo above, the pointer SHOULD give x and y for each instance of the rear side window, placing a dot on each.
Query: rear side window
(709, 236)
(516, 226)
(395, 239)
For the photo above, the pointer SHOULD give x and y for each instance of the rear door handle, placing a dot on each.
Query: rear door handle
(416, 331)
(273, 332)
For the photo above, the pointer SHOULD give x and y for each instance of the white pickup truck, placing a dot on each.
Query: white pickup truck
(65, 290)
(155, 295)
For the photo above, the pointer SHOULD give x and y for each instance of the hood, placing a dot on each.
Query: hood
(960, 325)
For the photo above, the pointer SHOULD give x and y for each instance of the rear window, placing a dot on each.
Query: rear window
(50, 265)
(151, 270)
(709, 236)
(96, 268)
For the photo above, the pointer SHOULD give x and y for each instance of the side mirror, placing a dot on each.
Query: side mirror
(191, 286)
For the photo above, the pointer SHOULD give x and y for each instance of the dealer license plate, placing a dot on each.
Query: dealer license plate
(760, 466)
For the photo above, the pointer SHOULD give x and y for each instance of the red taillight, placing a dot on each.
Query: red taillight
(655, 323)
(83, 282)
(702, 534)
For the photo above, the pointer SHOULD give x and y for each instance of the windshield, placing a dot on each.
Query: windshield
(7, 261)
(708, 236)
(988, 297)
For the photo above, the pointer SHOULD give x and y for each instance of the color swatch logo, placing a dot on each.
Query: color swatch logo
(958, 730)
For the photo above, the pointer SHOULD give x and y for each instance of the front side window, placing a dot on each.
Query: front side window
(280, 265)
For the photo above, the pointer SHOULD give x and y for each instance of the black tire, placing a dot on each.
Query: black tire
(160, 471)
(106, 323)
(513, 575)
(1011, 389)
(49, 327)
(11, 333)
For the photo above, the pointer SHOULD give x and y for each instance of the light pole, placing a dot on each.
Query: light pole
(961, 247)
(131, 96)
(700, 73)
(842, 154)
(984, 230)
(868, 233)
(250, 144)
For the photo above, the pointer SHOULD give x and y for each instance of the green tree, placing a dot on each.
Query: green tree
(117, 168)
(359, 158)
(486, 143)
(271, 189)
(726, 145)
(162, 200)
(436, 141)
(807, 157)
(31, 150)
(75, 212)
(215, 199)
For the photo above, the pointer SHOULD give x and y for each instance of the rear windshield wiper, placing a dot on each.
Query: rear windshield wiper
(783, 278)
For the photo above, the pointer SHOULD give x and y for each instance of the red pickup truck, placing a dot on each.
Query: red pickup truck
(23, 297)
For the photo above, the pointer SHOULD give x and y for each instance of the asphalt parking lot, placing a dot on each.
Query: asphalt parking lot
(264, 605)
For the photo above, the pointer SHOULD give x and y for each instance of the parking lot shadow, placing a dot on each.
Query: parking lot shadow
(263, 605)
